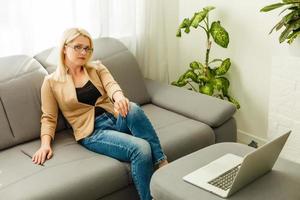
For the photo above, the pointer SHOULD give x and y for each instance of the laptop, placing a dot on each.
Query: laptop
(227, 174)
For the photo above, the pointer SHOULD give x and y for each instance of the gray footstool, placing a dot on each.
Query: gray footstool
(283, 182)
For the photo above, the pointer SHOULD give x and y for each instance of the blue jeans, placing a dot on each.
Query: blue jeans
(129, 139)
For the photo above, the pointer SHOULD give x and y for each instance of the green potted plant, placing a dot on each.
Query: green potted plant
(290, 21)
(208, 77)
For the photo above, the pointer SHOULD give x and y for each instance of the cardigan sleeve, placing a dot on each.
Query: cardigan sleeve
(49, 110)
(109, 83)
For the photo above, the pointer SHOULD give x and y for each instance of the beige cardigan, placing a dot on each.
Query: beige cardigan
(58, 92)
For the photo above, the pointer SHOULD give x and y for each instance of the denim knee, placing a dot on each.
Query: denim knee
(134, 109)
(142, 149)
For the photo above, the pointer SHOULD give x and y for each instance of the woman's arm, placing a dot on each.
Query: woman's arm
(108, 82)
(48, 121)
(114, 91)
(49, 110)
(121, 104)
(44, 151)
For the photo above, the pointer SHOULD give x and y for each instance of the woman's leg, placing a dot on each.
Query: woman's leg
(127, 148)
(138, 124)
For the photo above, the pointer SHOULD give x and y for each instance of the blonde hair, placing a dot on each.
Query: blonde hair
(68, 36)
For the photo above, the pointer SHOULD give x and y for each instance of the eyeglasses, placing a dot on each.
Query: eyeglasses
(80, 48)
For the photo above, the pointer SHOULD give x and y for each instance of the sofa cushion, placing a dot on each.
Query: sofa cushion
(207, 109)
(20, 105)
(86, 173)
(119, 61)
(178, 135)
(72, 173)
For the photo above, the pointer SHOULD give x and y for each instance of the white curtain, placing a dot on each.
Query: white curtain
(152, 42)
(30, 26)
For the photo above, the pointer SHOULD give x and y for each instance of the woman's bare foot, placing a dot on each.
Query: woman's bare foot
(162, 163)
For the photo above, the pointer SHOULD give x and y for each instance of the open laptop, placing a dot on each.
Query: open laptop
(229, 173)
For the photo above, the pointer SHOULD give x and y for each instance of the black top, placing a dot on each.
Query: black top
(89, 94)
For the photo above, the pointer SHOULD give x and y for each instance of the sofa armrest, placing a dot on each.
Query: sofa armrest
(209, 110)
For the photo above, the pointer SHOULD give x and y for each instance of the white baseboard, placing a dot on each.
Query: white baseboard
(246, 138)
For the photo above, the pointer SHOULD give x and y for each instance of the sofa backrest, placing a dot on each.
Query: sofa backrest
(21, 78)
(124, 67)
(119, 61)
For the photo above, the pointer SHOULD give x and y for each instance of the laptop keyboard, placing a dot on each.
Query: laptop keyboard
(225, 180)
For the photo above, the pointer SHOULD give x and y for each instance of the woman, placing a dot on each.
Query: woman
(102, 118)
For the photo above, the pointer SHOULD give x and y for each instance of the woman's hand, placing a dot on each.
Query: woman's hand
(40, 156)
(121, 104)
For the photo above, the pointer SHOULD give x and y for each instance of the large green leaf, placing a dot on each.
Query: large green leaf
(191, 74)
(207, 89)
(223, 68)
(178, 33)
(187, 29)
(209, 8)
(185, 24)
(198, 17)
(182, 83)
(293, 36)
(226, 84)
(294, 15)
(179, 83)
(193, 18)
(221, 84)
(278, 26)
(291, 1)
(283, 36)
(210, 73)
(196, 65)
(292, 7)
(203, 78)
(296, 24)
(289, 28)
(272, 7)
(217, 84)
(181, 78)
(219, 34)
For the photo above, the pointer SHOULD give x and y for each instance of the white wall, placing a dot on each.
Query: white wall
(250, 49)
(284, 106)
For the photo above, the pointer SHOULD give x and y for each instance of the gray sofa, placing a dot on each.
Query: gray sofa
(185, 122)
